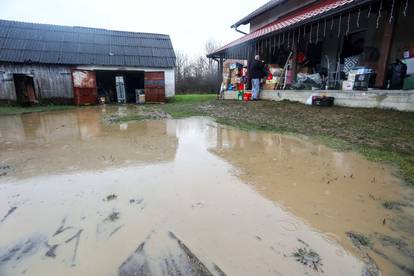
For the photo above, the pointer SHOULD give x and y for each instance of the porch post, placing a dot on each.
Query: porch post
(220, 67)
(294, 59)
(385, 49)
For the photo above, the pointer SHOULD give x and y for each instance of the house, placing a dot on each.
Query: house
(330, 37)
(42, 63)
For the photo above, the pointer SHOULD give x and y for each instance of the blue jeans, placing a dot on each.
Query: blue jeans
(255, 88)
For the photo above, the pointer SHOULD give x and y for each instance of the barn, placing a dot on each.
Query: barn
(41, 63)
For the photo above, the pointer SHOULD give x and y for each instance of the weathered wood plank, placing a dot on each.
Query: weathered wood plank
(50, 81)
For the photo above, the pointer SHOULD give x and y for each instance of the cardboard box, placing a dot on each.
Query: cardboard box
(235, 73)
(347, 85)
(269, 86)
(235, 80)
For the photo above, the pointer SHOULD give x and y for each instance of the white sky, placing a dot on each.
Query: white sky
(189, 22)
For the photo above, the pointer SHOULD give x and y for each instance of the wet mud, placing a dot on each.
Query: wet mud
(178, 260)
(86, 196)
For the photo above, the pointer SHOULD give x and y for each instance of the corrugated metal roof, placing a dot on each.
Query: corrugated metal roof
(53, 44)
(294, 18)
(269, 5)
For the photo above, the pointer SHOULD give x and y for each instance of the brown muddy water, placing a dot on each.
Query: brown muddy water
(79, 196)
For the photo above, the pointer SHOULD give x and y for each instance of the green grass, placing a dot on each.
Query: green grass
(191, 98)
(13, 110)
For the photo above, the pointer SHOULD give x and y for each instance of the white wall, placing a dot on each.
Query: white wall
(402, 100)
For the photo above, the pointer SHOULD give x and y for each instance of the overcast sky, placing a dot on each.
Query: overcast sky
(189, 22)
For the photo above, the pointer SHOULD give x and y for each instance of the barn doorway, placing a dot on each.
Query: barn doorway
(111, 82)
(24, 87)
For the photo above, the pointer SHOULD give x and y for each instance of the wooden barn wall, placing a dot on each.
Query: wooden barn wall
(52, 83)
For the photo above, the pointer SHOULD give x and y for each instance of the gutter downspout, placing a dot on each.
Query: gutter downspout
(237, 30)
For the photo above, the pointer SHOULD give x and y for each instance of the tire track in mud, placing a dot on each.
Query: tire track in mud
(178, 260)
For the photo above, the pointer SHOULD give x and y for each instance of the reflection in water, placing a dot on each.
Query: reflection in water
(89, 198)
(36, 144)
(334, 192)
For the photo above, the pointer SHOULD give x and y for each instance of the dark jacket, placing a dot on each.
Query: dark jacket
(257, 70)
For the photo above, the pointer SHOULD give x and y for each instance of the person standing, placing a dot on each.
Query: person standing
(257, 72)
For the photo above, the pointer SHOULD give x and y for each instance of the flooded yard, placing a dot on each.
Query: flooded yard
(83, 196)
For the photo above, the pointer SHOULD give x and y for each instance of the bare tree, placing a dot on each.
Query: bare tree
(197, 75)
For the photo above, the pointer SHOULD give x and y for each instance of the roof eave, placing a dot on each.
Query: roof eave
(248, 18)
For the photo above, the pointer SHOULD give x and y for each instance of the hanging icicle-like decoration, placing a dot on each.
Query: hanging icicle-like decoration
(369, 11)
(310, 35)
(283, 38)
(379, 14)
(348, 23)
(261, 48)
(274, 45)
(405, 8)
(392, 12)
(293, 38)
(317, 32)
(324, 28)
(298, 35)
(288, 40)
(304, 31)
(339, 26)
(358, 17)
(278, 43)
(332, 23)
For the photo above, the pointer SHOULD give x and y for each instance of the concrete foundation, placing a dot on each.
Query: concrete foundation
(402, 100)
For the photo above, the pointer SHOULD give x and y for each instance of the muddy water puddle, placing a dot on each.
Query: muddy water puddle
(79, 196)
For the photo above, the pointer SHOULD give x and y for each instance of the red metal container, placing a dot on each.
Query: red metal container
(154, 87)
(247, 97)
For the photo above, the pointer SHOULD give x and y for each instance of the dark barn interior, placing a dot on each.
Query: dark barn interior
(24, 86)
(106, 84)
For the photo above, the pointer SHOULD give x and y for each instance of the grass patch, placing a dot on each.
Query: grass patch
(13, 110)
(191, 98)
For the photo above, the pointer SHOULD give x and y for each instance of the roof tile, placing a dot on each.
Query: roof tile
(52, 44)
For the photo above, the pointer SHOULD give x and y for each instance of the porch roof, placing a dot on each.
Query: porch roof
(295, 18)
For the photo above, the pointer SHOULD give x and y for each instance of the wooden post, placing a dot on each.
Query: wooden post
(385, 49)
(220, 76)
(294, 59)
